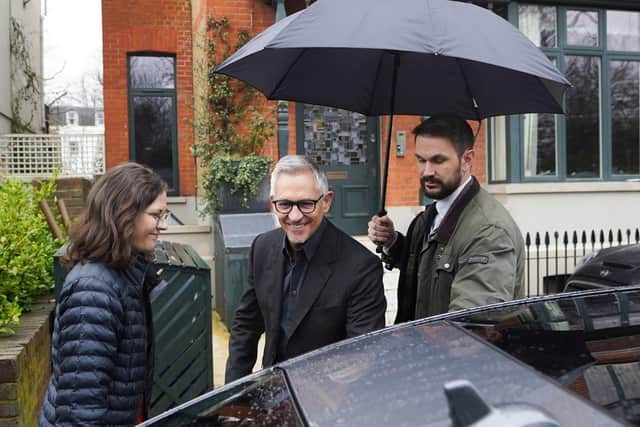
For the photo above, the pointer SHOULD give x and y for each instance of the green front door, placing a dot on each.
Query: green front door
(345, 145)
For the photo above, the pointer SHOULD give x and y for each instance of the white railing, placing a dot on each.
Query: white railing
(40, 155)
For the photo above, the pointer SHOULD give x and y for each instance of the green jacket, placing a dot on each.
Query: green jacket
(476, 257)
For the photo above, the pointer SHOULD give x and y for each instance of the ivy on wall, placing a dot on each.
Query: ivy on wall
(27, 86)
(237, 123)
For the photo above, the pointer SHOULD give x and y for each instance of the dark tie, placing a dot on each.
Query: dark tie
(428, 221)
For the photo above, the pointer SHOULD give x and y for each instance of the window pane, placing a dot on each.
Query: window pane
(538, 23)
(539, 139)
(625, 102)
(583, 116)
(623, 30)
(498, 132)
(152, 72)
(153, 118)
(582, 27)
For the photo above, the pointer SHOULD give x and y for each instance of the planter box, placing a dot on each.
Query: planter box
(25, 367)
(232, 203)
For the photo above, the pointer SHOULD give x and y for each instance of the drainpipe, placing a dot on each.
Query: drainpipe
(283, 108)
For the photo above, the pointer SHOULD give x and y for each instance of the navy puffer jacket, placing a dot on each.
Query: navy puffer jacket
(99, 351)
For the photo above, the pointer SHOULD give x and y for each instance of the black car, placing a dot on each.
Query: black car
(562, 360)
(608, 267)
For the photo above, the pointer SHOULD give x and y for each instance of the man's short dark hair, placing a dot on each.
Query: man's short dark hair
(448, 126)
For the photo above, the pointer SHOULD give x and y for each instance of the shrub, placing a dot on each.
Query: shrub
(26, 248)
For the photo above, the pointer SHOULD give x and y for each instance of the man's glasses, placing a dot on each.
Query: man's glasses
(160, 216)
(305, 206)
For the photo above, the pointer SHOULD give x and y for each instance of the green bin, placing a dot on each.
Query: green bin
(233, 235)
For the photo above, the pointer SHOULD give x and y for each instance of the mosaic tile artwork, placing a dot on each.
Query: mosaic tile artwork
(335, 137)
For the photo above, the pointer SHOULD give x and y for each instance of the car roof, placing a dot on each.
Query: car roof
(397, 375)
(411, 362)
(398, 378)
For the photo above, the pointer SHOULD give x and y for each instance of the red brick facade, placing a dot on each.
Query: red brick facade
(150, 26)
(167, 26)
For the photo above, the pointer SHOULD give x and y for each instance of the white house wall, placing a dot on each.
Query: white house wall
(578, 206)
(30, 18)
(538, 207)
(5, 87)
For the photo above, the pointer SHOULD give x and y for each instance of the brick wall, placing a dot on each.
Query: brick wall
(25, 367)
(150, 26)
(74, 192)
(254, 16)
(403, 188)
(167, 26)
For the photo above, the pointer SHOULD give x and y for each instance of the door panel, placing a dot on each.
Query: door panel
(345, 145)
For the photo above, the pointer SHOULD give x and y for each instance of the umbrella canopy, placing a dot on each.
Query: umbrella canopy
(417, 57)
(447, 57)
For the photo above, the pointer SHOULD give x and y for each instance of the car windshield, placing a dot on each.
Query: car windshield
(590, 344)
(397, 378)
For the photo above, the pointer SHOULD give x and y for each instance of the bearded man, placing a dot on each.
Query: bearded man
(464, 250)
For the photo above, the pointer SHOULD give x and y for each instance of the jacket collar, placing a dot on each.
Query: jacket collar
(449, 222)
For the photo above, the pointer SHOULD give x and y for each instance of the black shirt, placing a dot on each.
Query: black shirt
(295, 270)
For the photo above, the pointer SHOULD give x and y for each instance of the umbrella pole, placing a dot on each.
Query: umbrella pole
(394, 77)
(383, 212)
(385, 174)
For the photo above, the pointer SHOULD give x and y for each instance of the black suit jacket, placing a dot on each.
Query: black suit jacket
(342, 296)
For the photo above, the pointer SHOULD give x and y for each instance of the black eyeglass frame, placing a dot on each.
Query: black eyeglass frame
(292, 204)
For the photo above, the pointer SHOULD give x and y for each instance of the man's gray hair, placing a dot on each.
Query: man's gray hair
(295, 163)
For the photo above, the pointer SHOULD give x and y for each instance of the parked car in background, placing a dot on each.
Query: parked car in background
(568, 359)
(608, 267)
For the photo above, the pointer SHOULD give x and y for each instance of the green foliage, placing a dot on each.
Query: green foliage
(241, 176)
(236, 125)
(26, 248)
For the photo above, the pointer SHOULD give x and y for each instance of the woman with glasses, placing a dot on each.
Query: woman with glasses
(309, 283)
(101, 349)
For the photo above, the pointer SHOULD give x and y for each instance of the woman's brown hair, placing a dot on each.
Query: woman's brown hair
(105, 229)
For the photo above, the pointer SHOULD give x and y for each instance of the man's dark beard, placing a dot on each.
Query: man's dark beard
(446, 189)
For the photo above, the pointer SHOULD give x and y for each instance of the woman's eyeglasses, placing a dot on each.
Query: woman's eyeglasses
(160, 216)
(305, 206)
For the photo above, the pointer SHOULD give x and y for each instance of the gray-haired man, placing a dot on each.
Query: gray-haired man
(309, 283)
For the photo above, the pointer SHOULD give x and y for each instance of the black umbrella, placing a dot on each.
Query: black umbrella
(380, 57)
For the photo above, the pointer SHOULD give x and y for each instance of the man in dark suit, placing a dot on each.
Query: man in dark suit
(309, 283)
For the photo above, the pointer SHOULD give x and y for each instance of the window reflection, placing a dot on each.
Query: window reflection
(583, 116)
(625, 124)
(152, 116)
(264, 401)
(538, 23)
(589, 344)
(498, 132)
(623, 30)
(539, 138)
(582, 28)
(152, 72)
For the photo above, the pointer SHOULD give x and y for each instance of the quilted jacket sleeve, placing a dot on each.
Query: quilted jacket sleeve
(90, 318)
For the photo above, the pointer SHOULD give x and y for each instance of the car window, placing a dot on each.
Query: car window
(590, 344)
(262, 401)
(397, 377)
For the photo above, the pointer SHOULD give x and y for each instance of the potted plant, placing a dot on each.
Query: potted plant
(233, 133)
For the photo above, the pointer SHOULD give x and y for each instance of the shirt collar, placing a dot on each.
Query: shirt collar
(443, 205)
(309, 247)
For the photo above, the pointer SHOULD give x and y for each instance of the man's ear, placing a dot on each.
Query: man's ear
(326, 201)
(467, 159)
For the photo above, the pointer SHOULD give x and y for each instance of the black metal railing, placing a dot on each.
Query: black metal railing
(551, 257)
